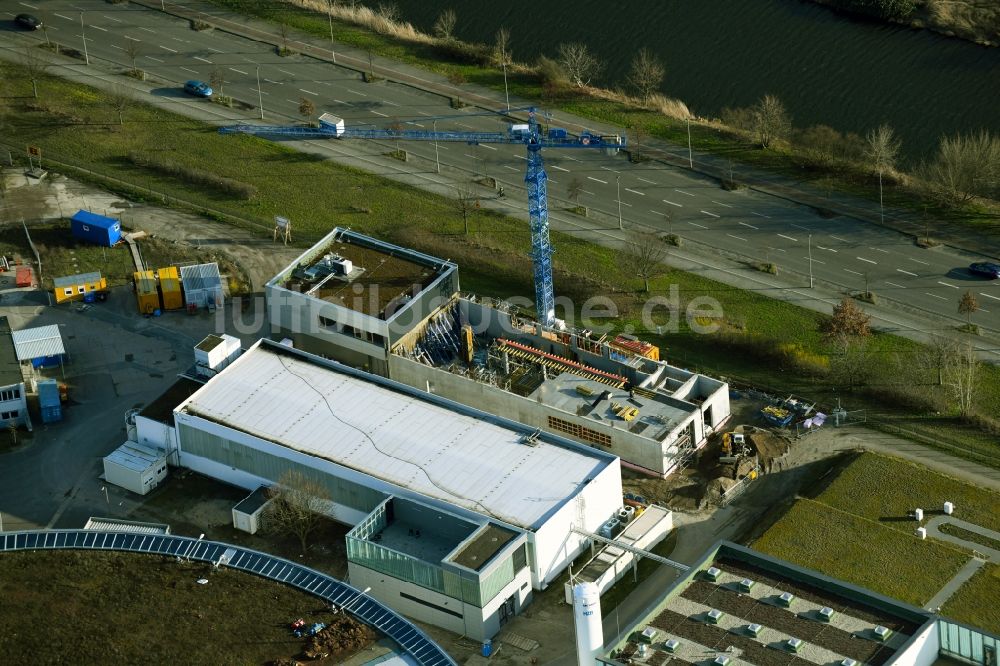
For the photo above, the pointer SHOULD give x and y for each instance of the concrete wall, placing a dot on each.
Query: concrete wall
(656, 457)
(922, 649)
(476, 623)
(554, 545)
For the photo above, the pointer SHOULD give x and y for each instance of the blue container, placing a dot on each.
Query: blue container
(95, 229)
(487, 648)
(48, 401)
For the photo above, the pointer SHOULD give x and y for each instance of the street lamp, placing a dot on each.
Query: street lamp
(618, 183)
(437, 160)
(810, 261)
(260, 95)
(83, 33)
(503, 62)
(329, 15)
(106, 499)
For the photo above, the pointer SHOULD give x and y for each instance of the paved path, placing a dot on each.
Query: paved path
(933, 529)
(951, 587)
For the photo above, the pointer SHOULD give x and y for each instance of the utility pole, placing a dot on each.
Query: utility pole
(618, 183)
(83, 33)
(260, 95)
(810, 261)
(668, 217)
(437, 159)
(690, 155)
(881, 208)
(329, 15)
(505, 91)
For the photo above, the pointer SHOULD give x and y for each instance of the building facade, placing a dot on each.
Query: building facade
(13, 401)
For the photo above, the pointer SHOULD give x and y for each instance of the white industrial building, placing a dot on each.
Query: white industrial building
(13, 402)
(398, 313)
(458, 514)
(136, 467)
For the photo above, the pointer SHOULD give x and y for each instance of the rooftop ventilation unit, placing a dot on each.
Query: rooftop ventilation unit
(746, 585)
(826, 613)
(785, 599)
(713, 573)
(794, 644)
(721, 660)
(949, 508)
(648, 635)
(882, 633)
(671, 645)
(849, 662)
(713, 616)
(754, 629)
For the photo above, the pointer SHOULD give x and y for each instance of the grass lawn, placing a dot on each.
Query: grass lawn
(861, 551)
(883, 489)
(72, 123)
(975, 602)
(130, 609)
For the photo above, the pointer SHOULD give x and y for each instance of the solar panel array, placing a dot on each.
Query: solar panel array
(411, 639)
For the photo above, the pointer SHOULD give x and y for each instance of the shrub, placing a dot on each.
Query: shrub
(551, 72)
(767, 267)
(200, 25)
(884, 9)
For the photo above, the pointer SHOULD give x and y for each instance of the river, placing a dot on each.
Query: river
(826, 68)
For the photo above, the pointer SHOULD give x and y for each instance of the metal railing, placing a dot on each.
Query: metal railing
(411, 639)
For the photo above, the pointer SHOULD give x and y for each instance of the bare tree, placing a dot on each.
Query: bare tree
(574, 189)
(961, 372)
(644, 257)
(444, 27)
(646, 74)
(882, 148)
(120, 100)
(848, 321)
(283, 33)
(851, 364)
(388, 11)
(964, 167)
(968, 305)
(217, 79)
(501, 46)
(771, 121)
(466, 203)
(299, 505)
(132, 49)
(578, 63)
(34, 66)
(306, 108)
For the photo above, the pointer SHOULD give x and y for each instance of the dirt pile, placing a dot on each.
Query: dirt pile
(342, 637)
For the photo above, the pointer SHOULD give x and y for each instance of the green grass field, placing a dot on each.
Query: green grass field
(975, 602)
(73, 124)
(861, 551)
(880, 488)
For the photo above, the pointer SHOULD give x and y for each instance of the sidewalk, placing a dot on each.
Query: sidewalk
(906, 222)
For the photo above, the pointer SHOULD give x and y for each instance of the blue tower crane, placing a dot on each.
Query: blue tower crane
(528, 134)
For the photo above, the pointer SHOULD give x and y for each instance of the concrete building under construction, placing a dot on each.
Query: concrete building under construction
(411, 324)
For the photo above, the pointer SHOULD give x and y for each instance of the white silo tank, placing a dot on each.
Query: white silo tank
(949, 508)
(921, 532)
(918, 514)
(587, 620)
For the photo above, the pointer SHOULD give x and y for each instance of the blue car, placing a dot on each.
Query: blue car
(985, 269)
(198, 89)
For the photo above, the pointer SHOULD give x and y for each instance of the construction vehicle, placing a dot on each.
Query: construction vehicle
(733, 441)
(529, 134)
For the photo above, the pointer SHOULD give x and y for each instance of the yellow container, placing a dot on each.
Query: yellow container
(76, 287)
(170, 288)
(146, 295)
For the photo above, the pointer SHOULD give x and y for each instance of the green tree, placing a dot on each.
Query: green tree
(968, 305)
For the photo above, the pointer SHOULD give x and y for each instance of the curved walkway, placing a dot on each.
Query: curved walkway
(934, 529)
(411, 639)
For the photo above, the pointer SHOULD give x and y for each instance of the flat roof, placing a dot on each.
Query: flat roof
(682, 614)
(254, 501)
(73, 280)
(477, 552)
(393, 432)
(162, 408)
(655, 419)
(94, 219)
(38, 342)
(201, 276)
(10, 367)
(134, 456)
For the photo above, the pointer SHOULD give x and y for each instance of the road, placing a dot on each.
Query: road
(841, 252)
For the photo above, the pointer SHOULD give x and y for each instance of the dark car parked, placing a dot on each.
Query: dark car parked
(985, 269)
(28, 21)
(198, 88)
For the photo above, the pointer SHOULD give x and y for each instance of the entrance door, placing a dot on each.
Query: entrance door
(506, 610)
